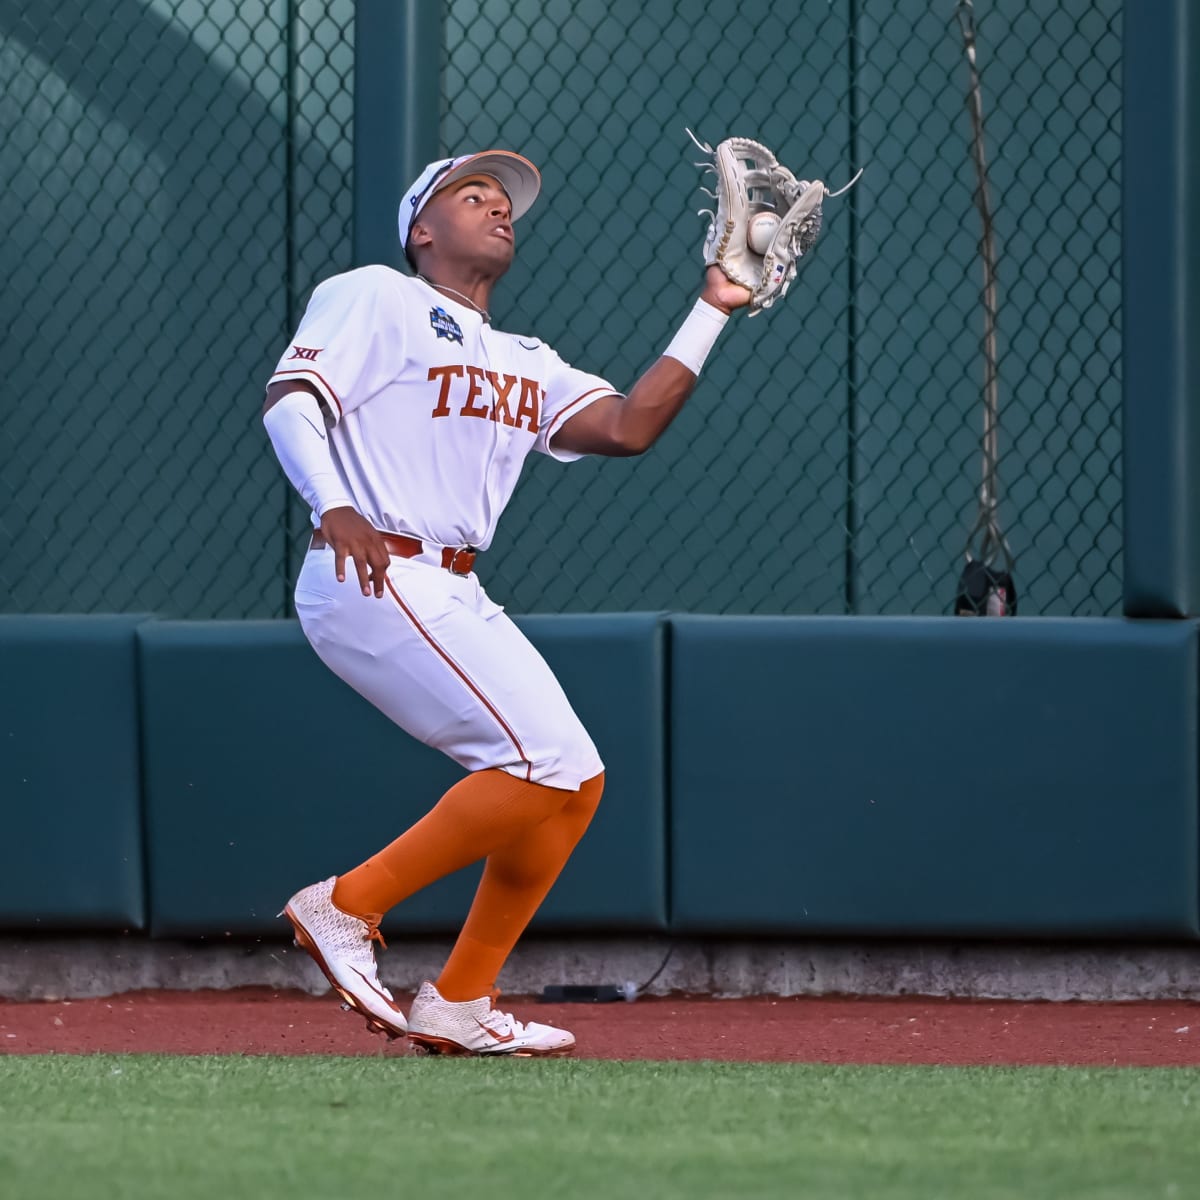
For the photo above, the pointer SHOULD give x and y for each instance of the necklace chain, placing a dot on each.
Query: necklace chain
(483, 312)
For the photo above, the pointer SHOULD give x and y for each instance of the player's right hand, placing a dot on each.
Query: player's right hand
(352, 536)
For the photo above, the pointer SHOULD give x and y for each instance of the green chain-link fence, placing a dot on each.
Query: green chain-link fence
(175, 180)
(178, 177)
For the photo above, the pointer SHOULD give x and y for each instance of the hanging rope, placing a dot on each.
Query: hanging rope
(984, 588)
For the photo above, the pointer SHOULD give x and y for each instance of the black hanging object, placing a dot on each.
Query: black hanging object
(985, 591)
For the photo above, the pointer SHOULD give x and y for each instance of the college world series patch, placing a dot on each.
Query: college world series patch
(444, 325)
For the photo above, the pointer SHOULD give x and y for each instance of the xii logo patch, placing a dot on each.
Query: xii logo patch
(308, 353)
(444, 325)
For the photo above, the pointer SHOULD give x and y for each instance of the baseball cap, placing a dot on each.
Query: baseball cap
(515, 174)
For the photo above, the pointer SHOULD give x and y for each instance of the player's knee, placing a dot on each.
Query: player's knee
(566, 757)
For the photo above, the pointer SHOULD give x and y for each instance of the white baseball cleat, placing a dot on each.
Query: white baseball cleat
(340, 944)
(477, 1027)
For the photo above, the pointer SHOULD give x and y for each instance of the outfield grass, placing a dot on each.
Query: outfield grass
(155, 1126)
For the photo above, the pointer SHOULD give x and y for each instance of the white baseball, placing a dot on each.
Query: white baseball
(760, 231)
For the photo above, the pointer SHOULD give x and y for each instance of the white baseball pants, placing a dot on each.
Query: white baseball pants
(447, 665)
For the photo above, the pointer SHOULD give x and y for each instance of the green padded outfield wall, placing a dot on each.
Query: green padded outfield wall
(264, 773)
(71, 854)
(885, 777)
(934, 777)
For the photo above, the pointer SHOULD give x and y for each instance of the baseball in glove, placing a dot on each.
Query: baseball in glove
(765, 221)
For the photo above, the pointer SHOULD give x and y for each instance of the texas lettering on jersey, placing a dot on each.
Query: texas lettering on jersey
(476, 392)
(411, 398)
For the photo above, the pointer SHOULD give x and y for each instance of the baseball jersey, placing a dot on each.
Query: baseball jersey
(432, 410)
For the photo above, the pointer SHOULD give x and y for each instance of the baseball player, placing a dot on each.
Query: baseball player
(403, 416)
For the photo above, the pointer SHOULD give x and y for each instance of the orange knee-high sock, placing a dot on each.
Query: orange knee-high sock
(515, 882)
(485, 810)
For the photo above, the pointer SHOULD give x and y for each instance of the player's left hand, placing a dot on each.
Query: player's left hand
(721, 292)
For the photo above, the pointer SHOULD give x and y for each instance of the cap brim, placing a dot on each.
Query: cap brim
(516, 175)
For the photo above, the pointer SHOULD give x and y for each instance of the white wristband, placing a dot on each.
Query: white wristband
(697, 336)
(297, 431)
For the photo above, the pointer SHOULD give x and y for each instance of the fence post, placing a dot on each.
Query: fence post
(1161, 309)
(397, 115)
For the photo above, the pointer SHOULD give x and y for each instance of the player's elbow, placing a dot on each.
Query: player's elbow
(637, 430)
(633, 444)
(610, 439)
(627, 444)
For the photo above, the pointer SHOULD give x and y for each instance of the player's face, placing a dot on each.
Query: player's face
(472, 219)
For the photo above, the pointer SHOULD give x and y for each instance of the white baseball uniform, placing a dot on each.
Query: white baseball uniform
(430, 415)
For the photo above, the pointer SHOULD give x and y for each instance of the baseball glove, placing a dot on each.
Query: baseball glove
(750, 181)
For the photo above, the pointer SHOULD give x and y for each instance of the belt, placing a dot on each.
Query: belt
(457, 560)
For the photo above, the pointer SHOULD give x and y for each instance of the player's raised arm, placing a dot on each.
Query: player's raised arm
(619, 426)
(765, 220)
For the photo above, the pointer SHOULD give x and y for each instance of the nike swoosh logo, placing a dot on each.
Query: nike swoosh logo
(525, 347)
(373, 988)
(499, 1037)
(319, 432)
